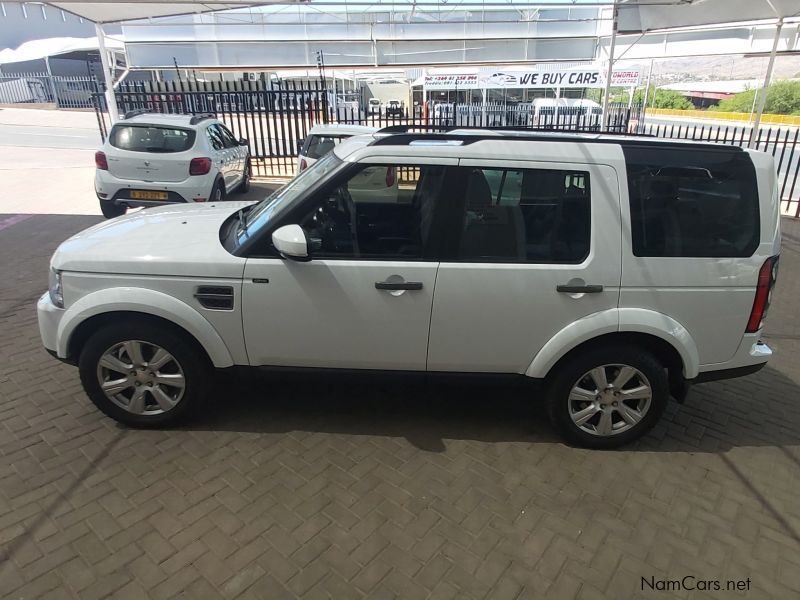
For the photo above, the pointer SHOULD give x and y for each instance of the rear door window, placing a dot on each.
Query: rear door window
(151, 138)
(317, 146)
(525, 215)
(692, 202)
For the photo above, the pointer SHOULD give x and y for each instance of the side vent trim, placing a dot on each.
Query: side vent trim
(215, 297)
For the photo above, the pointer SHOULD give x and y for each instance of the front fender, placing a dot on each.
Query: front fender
(612, 321)
(151, 302)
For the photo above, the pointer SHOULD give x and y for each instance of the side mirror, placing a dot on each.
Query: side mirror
(243, 142)
(290, 241)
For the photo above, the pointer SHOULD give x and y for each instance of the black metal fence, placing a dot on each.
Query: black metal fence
(276, 117)
(781, 142)
(41, 88)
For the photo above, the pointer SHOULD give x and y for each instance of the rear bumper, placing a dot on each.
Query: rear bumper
(751, 356)
(193, 189)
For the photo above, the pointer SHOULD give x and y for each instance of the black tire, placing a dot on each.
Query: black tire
(244, 186)
(571, 373)
(217, 192)
(191, 361)
(111, 210)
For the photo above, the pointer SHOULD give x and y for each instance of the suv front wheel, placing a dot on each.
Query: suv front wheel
(142, 375)
(608, 396)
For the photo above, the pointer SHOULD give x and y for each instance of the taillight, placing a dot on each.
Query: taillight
(390, 176)
(303, 164)
(199, 166)
(100, 160)
(767, 276)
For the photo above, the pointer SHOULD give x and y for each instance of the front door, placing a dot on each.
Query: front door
(364, 300)
(537, 249)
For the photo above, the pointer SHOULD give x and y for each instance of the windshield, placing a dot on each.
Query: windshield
(284, 198)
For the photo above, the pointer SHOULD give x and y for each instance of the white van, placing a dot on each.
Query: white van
(612, 271)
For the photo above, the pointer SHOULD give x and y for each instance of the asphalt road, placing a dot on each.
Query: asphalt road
(36, 136)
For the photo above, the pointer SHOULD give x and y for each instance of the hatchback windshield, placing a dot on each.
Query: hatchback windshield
(151, 138)
(284, 198)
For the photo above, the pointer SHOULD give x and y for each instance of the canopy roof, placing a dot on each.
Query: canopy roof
(110, 11)
(634, 15)
(39, 49)
(648, 15)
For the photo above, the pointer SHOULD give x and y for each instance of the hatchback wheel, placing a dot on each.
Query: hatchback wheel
(142, 375)
(111, 210)
(608, 397)
(217, 192)
(244, 186)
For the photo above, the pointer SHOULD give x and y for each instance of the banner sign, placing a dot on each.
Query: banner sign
(589, 77)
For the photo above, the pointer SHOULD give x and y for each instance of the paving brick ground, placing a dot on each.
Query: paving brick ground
(350, 490)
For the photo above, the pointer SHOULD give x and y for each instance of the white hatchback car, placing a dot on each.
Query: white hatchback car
(149, 159)
(321, 139)
(614, 271)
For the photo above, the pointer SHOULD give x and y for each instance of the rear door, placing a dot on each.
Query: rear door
(152, 153)
(536, 248)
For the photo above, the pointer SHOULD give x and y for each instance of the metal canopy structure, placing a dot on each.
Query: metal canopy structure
(397, 28)
(109, 11)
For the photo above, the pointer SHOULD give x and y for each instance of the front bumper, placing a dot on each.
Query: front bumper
(49, 317)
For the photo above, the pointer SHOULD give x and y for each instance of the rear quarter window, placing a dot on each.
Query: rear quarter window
(151, 138)
(692, 202)
(317, 146)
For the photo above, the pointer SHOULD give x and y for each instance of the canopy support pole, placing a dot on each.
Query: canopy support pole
(108, 75)
(763, 98)
(607, 92)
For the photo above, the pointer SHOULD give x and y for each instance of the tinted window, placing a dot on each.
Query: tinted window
(151, 138)
(693, 203)
(525, 215)
(382, 211)
(317, 146)
(215, 137)
(227, 137)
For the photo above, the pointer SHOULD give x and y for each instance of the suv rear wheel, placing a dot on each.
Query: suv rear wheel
(608, 396)
(142, 375)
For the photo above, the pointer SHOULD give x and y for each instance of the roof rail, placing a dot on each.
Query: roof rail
(407, 128)
(201, 117)
(135, 113)
(528, 135)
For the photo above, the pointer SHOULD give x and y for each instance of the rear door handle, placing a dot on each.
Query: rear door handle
(403, 285)
(579, 289)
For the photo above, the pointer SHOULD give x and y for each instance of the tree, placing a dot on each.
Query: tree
(663, 99)
(783, 98)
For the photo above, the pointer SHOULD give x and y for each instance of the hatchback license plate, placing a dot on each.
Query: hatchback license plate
(142, 195)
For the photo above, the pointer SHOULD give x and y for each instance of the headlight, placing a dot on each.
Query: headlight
(56, 290)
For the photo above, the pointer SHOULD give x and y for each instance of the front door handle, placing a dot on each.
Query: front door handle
(403, 285)
(579, 289)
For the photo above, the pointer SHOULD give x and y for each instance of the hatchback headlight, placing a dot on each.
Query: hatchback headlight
(56, 289)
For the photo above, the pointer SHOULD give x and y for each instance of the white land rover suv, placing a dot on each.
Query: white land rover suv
(150, 159)
(613, 270)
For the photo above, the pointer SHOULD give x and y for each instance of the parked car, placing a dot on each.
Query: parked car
(502, 253)
(152, 159)
(322, 139)
(374, 105)
(394, 108)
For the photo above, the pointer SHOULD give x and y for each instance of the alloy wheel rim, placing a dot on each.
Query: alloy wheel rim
(140, 377)
(610, 399)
